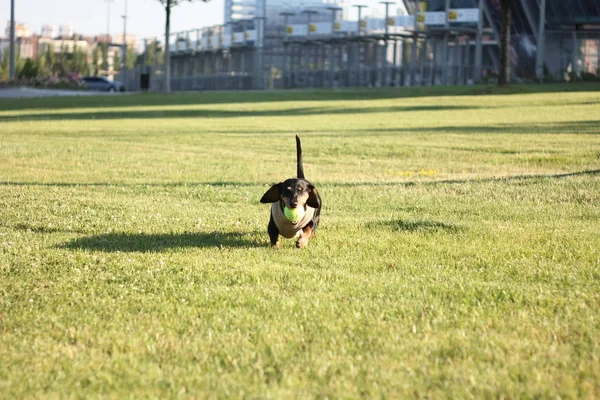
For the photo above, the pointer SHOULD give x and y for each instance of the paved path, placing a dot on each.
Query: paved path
(16, 93)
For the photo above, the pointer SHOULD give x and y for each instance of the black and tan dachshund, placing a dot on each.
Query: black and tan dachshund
(295, 208)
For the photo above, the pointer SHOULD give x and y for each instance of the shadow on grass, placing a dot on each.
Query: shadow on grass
(212, 113)
(150, 243)
(582, 127)
(462, 181)
(42, 229)
(585, 127)
(415, 226)
(233, 97)
(223, 184)
(324, 183)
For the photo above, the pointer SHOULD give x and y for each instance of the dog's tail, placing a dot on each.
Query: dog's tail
(299, 158)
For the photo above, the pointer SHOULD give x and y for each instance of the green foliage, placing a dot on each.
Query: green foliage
(65, 62)
(5, 65)
(117, 60)
(150, 52)
(104, 59)
(80, 64)
(457, 255)
(154, 51)
(29, 69)
(131, 58)
(50, 59)
(42, 69)
(96, 57)
(159, 53)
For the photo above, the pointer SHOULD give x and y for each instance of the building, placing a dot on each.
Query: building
(103, 38)
(269, 19)
(4, 47)
(28, 46)
(26, 43)
(48, 31)
(270, 10)
(21, 30)
(565, 45)
(59, 45)
(65, 30)
(289, 44)
(131, 40)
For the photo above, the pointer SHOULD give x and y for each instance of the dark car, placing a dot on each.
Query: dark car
(103, 84)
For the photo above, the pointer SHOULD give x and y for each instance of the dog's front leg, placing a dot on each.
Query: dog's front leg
(273, 233)
(307, 233)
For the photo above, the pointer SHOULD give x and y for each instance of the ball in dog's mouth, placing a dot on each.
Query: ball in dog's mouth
(293, 214)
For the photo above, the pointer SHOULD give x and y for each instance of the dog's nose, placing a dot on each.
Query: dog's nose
(294, 204)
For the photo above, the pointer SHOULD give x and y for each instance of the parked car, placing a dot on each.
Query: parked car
(101, 83)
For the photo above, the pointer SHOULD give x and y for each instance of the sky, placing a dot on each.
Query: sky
(145, 18)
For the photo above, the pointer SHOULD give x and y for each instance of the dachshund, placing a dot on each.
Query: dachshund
(295, 207)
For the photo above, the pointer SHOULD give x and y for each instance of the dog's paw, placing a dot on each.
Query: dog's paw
(275, 245)
(301, 243)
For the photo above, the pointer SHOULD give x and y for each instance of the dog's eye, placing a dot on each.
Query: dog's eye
(299, 189)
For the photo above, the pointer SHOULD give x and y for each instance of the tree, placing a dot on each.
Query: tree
(80, 64)
(42, 68)
(4, 66)
(506, 19)
(29, 70)
(104, 49)
(65, 66)
(150, 52)
(50, 58)
(116, 61)
(96, 55)
(168, 5)
(130, 58)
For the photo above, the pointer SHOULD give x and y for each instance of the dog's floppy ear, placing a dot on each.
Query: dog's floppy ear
(314, 200)
(272, 195)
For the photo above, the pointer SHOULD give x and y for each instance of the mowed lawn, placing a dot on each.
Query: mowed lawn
(458, 255)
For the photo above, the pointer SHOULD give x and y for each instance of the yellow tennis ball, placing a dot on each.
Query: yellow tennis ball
(293, 214)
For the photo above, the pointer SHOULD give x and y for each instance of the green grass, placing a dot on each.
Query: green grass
(458, 256)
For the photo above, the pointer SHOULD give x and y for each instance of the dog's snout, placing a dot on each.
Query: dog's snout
(294, 201)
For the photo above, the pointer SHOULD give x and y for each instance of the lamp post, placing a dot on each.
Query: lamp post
(108, 19)
(360, 7)
(286, 15)
(124, 16)
(539, 59)
(385, 42)
(124, 58)
(358, 32)
(334, 11)
(12, 39)
(310, 14)
(387, 14)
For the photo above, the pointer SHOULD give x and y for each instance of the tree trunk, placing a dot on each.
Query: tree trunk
(506, 10)
(167, 57)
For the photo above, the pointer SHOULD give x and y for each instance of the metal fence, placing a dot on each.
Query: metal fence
(426, 61)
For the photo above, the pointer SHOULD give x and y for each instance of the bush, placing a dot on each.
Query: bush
(70, 82)
(29, 70)
(589, 77)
